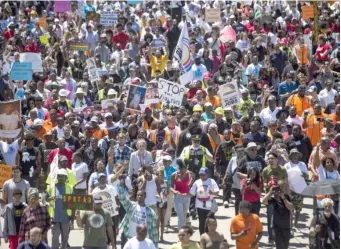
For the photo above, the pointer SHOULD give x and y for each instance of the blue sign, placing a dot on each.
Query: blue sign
(134, 1)
(21, 71)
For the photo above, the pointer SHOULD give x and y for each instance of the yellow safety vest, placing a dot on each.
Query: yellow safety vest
(51, 192)
(202, 148)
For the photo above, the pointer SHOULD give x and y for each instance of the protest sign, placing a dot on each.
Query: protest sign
(35, 59)
(62, 6)
(79, 46)
(10, 113)
(93, 70)
(212, 15)
(296, 180)
(152, 93)
(229, 94)
(307, 12)
(136, 96)
(108, 195)
(134, 1)
(78, 202)
(93, 16)
(170, 92)
(5, 174)
(108, 18)
(21, 71)
(3, 25)
(42, 22)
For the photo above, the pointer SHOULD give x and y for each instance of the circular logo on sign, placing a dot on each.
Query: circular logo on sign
(96, 220)
(188, 135)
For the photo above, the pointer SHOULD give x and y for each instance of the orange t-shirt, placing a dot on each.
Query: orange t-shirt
(48, 125)
(99, 133)
(215, 101)
(314, 128)
(240, 223)
(301, 104)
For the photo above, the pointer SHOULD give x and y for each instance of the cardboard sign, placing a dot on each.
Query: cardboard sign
(62, 6)
(136, 97)
(170, 92)
(108, 196)
(10, 113)
(93, 16)
(212, 15)
(93, 70)
(78, 202)
(108, 18)
(35, 59)
(79, 46)
(42, 22)
(21, 71)
(229, 94)
(5, 174)
(307, 12)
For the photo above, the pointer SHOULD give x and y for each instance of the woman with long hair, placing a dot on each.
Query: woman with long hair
(251, 189)
(211, 239)
(162, 200)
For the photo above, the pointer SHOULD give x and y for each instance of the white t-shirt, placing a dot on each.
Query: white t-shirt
(253, 69)
(324, 174)
(201, 190)
(138, 217)
(198, 71)
(300, 165)
(108, 195)
(133, 243)
(79, 170)
(151, 191)
(9, 151)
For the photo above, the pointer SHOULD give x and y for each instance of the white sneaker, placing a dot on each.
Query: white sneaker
(226, 204)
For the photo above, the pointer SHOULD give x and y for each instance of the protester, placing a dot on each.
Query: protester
(35, 240)
(16, 182)
(211, 238)
(140, 240)
(185, 234)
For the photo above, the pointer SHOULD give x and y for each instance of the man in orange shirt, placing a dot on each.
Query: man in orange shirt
(52, 121)
(299, 100)
(212, 98)
(246, 228)
(98, 132)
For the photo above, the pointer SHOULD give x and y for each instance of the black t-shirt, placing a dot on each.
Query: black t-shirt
(248, 162)
(230, 69)
(37, 142)
(281, 215)
(18, 210)
(72, 143)
(28, 159)
(238, 27)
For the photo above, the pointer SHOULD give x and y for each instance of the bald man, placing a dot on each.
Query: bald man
(140, 240)
(35, 240)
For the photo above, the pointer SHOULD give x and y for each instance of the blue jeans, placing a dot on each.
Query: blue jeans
(269, 214)
(181, 204)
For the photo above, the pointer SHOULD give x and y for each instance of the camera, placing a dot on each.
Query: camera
(276, 190)
(248, 181)
(320, 119)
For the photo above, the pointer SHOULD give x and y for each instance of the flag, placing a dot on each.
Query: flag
(183, 56)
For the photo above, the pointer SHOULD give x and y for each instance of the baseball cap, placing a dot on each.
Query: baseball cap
(101, 175)
(62, 172)
(203, 171)
(167, 158)
(98, 199)
(94, 119)
(251, 145)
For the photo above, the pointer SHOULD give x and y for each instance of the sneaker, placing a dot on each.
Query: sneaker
(270, 242)
(167, 229)
(194, 215)
(226, 204)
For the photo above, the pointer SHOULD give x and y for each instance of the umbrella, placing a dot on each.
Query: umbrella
(326, 187)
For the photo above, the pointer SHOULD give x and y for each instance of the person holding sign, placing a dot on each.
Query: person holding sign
(60, 216)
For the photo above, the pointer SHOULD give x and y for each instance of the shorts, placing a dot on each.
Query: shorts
(297, 201)
(164, 205)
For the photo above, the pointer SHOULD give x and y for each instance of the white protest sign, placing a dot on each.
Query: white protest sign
(170, 92)
(229, 94)
(108, 18)
(212, 15)
(37, 65)
(109, 202)
(296, 181)
(92, 69)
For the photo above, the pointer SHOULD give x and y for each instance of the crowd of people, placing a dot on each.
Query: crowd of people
(78, 136)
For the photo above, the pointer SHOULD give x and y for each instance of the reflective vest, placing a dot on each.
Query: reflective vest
(153, 136)
(302, 54)
(192, 157)
(51, 191)
(100, 94)
(212, 142)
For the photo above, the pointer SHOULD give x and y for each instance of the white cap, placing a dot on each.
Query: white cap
(38, 122)
(112, 92)
(63, 93)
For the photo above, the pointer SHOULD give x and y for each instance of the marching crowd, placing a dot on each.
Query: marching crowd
(78, 136)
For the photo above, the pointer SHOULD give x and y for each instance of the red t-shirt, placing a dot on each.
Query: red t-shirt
(66, 152)
(32, 49)
(320, 50)
(121, 38)
(250, 27)
(291, 27)
(8, 34)
(249, 194)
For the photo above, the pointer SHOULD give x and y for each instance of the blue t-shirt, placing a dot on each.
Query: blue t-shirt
(60, 214)
(168, 174)
(284, 88)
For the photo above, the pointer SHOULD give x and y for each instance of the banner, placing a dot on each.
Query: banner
(183, 56)
(78, 202)
(152, 93)
(79, 46)
(307, 12)
(108, 196)
(35, 59)
(93, 16)
(212, 15)
(21, 71)
(5, 174)
(133, 1)
(62, 6)
(229, 94)
(136, 97)
(93, 70)
(10, 113)
(170, 93)
(108, 18)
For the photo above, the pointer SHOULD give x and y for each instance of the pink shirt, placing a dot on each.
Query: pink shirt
(249, 194)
